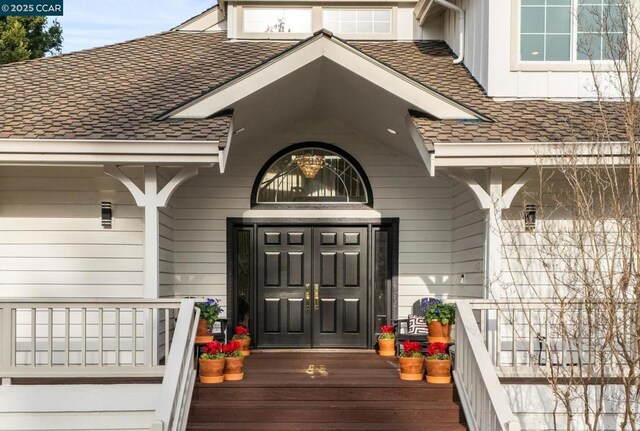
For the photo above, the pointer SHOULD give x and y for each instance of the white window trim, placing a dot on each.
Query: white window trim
(241, 34)
(573, 65)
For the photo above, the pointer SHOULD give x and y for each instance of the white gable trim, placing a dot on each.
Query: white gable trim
(205, 21)
(324, 45)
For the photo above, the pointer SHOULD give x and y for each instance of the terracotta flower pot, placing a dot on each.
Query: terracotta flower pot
(202, 333)
(233, 368)
(438, 370)
(244, 345)
(211, 370)
(439, 333)
(387, 347)
(410, 368)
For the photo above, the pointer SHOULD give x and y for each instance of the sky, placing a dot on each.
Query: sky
(90, 23)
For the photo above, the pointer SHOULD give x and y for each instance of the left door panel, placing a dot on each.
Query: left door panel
(284, 274)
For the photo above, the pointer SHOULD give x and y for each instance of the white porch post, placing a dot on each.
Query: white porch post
(493, 200)
(151, 233)
(151, 199)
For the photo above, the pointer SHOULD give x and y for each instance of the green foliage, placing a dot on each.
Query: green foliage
(435, 309)
(210, 310)
(28, 37)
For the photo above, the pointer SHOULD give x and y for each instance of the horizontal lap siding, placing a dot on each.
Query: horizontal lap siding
(51, 240)
(467, 255)
(401, 188)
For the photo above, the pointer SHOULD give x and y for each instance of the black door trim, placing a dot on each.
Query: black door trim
(234, 224)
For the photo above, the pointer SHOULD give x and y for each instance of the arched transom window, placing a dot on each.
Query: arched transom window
(312, 175)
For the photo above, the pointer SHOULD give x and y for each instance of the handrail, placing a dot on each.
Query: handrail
(179, 378)
(483, 399)
(84, 337)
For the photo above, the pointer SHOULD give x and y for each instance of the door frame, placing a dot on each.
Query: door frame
(391, 224)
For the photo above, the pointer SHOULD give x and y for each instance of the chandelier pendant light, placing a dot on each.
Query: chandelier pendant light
(310, 164)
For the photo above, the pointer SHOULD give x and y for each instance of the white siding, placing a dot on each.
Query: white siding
(51, 240)
(401, 188)
(467, 255)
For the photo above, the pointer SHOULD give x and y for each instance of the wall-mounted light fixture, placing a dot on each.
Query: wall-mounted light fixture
(107, 215)
(461, 278)
(530, 218)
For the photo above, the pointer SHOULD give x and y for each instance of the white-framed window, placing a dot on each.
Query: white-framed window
(357, 20)
(277, 20)
(569, 30)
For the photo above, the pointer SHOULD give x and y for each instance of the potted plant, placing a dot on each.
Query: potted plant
(439, 316)
(438, 363)
(410, 361)
(241, 335)
(387, 341)
(209, 312)
(233, 361)
(212, 363)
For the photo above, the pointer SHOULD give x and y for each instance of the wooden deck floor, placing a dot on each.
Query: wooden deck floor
(324, 391)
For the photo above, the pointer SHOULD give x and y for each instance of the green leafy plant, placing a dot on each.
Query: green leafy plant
(210, 310)
(437, 351)
(435, 309)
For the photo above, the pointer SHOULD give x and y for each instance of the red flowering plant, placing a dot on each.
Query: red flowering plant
(388, 332)
(212, 350)
(437, 351)
(231, 349)
(411, 349)
(240, 333)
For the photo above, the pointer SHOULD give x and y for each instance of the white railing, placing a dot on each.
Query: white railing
(483, 399)
(85, 338)
(541, 338)
(179, 379)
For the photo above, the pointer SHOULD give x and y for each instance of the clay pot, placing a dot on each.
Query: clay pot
(233, 368)
(202, 333)
(410, 368)
(387, 347)
(211, 370)
(439, 333)
(244, 345)
(438, 370)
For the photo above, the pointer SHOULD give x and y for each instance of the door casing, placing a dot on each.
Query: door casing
(391, 225)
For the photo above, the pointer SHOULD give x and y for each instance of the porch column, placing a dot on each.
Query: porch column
(151, 199)
(493, 200)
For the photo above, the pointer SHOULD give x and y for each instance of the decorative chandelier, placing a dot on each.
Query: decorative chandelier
(310, 165)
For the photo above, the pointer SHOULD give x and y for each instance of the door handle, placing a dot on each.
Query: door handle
(316, 297)
(307, 296)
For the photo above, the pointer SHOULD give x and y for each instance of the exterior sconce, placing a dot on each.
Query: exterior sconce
(107, 215)
(530, 218)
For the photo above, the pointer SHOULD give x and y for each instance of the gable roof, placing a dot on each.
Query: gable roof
(121, 91)
(324, 45)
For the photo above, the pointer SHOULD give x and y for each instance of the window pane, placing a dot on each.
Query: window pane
(532, 2)
(532, 20)
(270, 20)
(558, 48)
(589, 19)
(614, 47)
(612, 19)
(559, 2)
(532, 47)
(589, 46)
(243, 277)
(382, 279)
(360, 21)
(559, 20)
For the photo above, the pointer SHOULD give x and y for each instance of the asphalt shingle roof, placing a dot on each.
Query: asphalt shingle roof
(121, 91)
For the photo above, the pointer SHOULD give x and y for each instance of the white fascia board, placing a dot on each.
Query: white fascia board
(520, 154)
(414, 93)
(204, 21)
(59, 151)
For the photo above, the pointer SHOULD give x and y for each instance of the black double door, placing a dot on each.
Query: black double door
(312, 286)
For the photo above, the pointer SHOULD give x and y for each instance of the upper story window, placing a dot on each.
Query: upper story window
(276, 20)
(357, 21)
(570, 30)
(312, 175)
